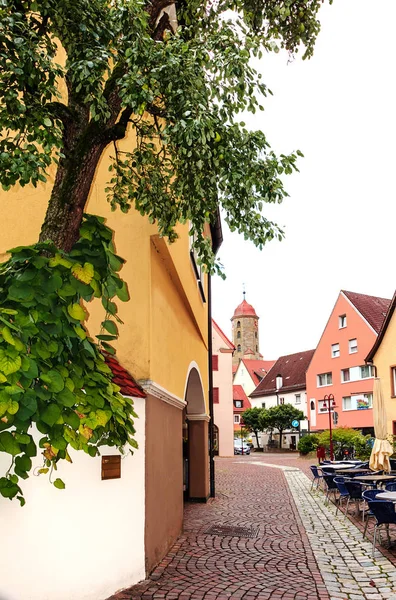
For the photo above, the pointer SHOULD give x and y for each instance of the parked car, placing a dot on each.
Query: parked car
(241, 447)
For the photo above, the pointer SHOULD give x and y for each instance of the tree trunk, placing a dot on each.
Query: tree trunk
(256, 434)
(70, 194)
(280, 438)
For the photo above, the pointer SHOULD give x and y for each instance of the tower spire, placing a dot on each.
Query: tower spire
(244, 291)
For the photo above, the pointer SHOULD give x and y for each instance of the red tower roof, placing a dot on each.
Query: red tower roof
(245, 310)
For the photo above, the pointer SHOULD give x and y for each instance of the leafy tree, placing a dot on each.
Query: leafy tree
(251, 419)
(280, 417)
(77, 76)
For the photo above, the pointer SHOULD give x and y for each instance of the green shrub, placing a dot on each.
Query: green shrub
(308, 443)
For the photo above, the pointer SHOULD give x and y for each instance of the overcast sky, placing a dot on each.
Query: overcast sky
(339, 109)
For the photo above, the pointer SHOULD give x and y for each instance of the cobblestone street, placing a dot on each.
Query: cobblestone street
(291, 546)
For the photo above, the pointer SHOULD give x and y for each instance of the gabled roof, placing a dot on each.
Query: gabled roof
(244, 310)
(121, 377)
(372, 308)
(292, 368)
(257, 369)
(223, 336)
(238, 393)
(383, 329)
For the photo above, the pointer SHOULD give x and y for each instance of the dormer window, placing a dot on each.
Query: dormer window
(238, 403)
(279, 381)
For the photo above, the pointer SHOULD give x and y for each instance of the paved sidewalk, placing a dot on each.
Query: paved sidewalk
(276, 564)
(344, 558)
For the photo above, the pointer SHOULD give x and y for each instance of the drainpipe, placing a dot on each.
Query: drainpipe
(211, 412)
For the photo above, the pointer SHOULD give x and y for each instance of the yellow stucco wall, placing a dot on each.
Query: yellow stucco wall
(165, 322)
(384, 359)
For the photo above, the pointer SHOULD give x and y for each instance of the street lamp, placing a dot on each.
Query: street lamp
(329, 404)
(241, 424)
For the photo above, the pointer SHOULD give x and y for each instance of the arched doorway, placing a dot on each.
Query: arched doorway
(196, 440)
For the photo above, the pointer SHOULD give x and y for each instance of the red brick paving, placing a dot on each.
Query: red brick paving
(278, 564)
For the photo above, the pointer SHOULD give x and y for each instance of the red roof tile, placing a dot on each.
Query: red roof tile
(121, 377)
(292, 368)
(245, 310)
(372, 308)
(239, 394)
(223, 335)
(257, 369)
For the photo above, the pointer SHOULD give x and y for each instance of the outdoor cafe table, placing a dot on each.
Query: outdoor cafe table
(386, 496)
(351, 471)
(376, 479)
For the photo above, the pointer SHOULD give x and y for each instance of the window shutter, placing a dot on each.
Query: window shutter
(215, 395)
(215, 362)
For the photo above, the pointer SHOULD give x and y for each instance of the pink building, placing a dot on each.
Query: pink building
(338, 366)
(222, 350)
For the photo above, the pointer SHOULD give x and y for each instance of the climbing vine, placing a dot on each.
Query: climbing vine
(52, 374)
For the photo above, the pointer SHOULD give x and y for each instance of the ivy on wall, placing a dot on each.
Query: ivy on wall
(52, 374)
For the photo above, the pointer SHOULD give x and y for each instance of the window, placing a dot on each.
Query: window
(238, 403)
(255, 334)
(236, 419)
(347, 403)
(335, 350)
(345, 375)
(357, 402)
(256, 348)
(215, 362)
(366, 371)
(281, 400)
(239, 348)
(238, 335)
(342, 321)
(263, 405)
(215, 395)
(238, 323)
(312, 404)
(393, 381)
(297, 398)
(325, 379)
(353, 346)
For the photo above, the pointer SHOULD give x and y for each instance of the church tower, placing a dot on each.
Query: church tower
(245, 333)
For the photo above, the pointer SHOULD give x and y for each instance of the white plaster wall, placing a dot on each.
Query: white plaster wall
(223, 411)
(290, 398)
(81, 543)
(243, 378)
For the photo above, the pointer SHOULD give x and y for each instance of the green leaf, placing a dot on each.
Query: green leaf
(123, 293)
(54, 380)
(9, 364)
(51, 414)
(110, 326)
(59, 484)
(66, 397)
(76, 311)
(12, 407)
(9, 444)
(23, 463)
(85, 273)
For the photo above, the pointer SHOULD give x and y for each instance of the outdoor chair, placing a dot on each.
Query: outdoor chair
(331, 487)
(391, 487)
(369, 496)
(316, 475)
(344, 494)
(384, 513)
(355, 490)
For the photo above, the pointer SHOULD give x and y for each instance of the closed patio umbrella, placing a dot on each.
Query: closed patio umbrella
(382, 449)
